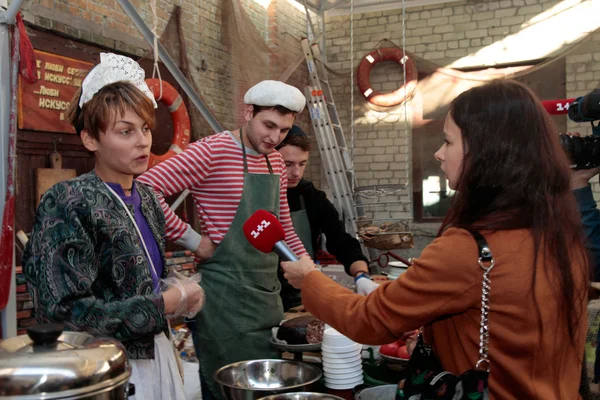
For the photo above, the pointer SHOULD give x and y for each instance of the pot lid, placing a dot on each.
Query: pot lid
(54, 364)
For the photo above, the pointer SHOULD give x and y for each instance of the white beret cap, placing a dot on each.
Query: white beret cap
(275, 93)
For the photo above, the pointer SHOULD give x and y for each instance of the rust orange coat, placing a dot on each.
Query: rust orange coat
(442, 291)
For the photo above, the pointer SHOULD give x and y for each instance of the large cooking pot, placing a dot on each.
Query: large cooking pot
(48, 363)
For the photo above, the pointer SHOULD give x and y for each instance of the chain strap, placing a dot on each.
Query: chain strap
(486, 263)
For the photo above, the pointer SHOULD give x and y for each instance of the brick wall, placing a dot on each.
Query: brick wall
(24, 304)
(455, 34)
(103, 22)
(583, 75)
(287, 25)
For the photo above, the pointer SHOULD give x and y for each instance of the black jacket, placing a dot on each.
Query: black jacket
(324, 218)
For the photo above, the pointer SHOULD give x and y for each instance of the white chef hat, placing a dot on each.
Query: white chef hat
(113, 68)
(275, 93)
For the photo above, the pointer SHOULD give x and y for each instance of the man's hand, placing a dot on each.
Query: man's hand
(205, 249)
(580, 178)
(365, 286)
(357, 267)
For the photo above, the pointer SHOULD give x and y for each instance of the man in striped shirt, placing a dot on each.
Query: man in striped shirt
(231, 175)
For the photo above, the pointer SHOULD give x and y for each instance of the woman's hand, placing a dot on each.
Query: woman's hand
(171, 297)
(410, 338)
(295, 271)
(183, 296)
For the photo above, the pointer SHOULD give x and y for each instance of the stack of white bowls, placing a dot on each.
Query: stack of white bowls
(396, 268)
(342, 363)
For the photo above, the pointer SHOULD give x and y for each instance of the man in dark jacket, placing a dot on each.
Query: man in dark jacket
(312, 215)
(590, 218)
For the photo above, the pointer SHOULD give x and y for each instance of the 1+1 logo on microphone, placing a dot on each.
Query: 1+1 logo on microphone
(260, 227)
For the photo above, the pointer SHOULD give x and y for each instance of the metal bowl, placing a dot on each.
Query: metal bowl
(385, 392)
(302, 396)
(255, 379)
(394, 360)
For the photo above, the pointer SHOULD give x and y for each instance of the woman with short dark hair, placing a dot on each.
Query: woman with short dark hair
(96, 255)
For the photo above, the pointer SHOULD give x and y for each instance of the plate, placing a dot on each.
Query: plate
(337, 369)
(394, 360)
(344, 375)
(341, 350)
(343, 387)
(351, 361)
(295, 348)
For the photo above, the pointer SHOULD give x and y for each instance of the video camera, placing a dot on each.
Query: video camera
(584, 152)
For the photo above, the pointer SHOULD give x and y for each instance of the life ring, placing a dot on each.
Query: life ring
(364, 70)
(181, 120)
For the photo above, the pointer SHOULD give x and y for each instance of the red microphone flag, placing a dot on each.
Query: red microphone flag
(557, 106)
(263, 230)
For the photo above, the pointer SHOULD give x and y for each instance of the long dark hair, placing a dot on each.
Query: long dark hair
(516, 175)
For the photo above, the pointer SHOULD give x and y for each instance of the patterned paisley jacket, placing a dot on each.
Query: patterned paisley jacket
(85, 266)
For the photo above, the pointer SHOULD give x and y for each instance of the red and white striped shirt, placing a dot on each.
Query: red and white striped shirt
(213, 170)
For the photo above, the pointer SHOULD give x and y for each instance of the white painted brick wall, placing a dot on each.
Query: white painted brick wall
(456, 33)
(451, 34)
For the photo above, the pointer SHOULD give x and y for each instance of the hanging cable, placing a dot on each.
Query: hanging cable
(352, 184)
(404, 60)
(156, 69)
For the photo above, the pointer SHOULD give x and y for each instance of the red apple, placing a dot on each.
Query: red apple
(389, 349)
(402, 353)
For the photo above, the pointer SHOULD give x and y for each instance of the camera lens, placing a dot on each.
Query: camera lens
(574, 113)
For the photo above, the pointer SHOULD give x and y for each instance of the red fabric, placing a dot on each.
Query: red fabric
(27, 63)
(7, 245)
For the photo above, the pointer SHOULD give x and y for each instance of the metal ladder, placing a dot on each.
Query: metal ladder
(330, 137)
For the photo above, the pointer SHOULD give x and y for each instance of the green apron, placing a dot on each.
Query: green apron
(242, 289)
(291, 296)
(302, 227)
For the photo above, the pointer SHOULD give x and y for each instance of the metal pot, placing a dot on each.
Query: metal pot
(251, 380)
(302, 396)
(385, 392)
(48, 363)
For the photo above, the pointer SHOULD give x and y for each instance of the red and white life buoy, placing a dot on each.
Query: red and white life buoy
(181, 120)
(364, 71)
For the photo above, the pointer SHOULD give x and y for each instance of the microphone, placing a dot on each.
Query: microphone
(265, 233)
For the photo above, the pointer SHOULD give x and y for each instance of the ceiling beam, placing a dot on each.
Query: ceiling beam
(342, 7)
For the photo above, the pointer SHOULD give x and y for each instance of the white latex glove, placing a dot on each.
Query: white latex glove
(365, 286)
(192, 294)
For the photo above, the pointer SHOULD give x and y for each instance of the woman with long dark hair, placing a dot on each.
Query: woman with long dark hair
(502, 155)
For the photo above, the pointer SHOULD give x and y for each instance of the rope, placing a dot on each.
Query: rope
(404, 59)
(352, 184)
(156, 69)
